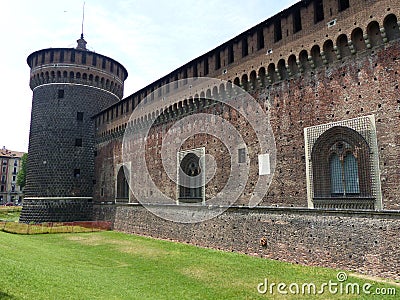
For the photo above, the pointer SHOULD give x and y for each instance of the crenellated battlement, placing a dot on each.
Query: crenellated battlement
(62, 65)
(353, 34)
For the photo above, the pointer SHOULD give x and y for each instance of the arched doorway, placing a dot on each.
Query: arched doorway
(122, 194)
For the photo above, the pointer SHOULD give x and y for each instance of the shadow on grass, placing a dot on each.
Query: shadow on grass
(5, 296)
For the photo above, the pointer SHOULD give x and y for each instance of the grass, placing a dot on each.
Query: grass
(10, 213)
(21, 228)
(112, 265)
(9, 217)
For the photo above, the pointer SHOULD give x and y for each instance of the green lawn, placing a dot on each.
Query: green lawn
(112, 265)
(10, 213)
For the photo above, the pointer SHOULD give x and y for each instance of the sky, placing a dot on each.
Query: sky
(150, 38)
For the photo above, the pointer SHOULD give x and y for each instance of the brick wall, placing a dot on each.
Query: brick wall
(360, 85)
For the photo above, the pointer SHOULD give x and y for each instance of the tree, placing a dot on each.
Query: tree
(21, 177)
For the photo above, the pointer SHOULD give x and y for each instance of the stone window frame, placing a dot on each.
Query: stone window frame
(326, 146)
(199, 152)
(360, 135)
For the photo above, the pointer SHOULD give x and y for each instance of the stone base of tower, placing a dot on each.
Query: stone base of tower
(56, 209)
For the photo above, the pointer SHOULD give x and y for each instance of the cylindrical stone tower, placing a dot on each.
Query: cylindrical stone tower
(69, 87)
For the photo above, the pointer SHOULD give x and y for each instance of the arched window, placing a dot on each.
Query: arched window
(303, 57)
(190, 179)
(292, 64)
(344, 175)
(335, 166)
(245, 82)
(343, 45)
(222, 92)
(350, 170)
(261, 75)
(330, 55)
(341, 170)
(316, 56)
(122, 185)
(253, 80)
(391, 27)
(374, 34)
(357, 37)
(272, 73)
(215, 93)
(282, 69)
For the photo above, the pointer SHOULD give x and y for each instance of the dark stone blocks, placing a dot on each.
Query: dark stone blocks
(39, 210)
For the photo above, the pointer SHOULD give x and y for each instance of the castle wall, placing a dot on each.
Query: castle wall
(364, 242)
(317, 75)
(363, 84)
(343, 67)
(309, 65)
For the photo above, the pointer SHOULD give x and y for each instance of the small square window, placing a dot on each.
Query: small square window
(77, 173)
(78, 142)
(79, 116)
(241, 155)
(60, 94)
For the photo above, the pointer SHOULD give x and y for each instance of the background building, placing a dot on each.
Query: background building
(10, 166)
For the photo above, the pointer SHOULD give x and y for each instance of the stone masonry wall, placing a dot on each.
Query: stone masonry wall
(38, 210)
(365, 242)
(53, 153)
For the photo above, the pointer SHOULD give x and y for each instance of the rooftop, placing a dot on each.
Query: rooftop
(5, 153)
